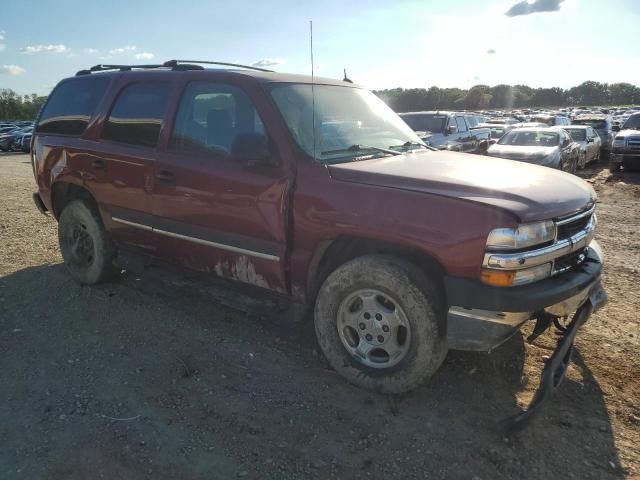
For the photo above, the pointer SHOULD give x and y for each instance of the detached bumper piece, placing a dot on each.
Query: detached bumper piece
(556, 366)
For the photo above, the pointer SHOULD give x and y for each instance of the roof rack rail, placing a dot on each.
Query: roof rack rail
(127, 68)
(179, 65)
(174, 63)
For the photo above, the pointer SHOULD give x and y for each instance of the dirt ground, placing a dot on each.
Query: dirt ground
(158, 377)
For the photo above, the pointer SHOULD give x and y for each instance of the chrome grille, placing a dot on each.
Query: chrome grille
(568, 230)
(633, 143)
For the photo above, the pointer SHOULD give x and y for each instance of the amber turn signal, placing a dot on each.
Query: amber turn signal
(498, 278)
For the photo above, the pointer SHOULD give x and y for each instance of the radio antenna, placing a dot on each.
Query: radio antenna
(313, 92)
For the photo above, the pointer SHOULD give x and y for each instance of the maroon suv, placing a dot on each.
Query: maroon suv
(319, 193)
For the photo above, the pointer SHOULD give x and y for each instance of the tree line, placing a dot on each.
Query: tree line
(19, 107)
(478, 97)
(482, 97)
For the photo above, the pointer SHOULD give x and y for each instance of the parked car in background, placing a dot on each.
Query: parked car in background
(626, 145)
(588, 140)
(401, 252)
(6, 138)
(550, 120)
(548, 147)
(448, 131)
(25, 145)
(22, 138)
(603, 125)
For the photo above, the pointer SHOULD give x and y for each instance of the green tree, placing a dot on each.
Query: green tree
(16, 107)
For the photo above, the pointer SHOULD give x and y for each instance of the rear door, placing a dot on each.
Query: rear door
(214, 212)
(122, 160)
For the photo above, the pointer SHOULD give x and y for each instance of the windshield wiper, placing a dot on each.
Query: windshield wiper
(408, 144)
(359, 148)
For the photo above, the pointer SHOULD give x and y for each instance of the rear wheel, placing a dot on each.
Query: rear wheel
(86, 248)
(379, 323)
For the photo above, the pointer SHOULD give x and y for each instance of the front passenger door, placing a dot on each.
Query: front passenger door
(464, 135)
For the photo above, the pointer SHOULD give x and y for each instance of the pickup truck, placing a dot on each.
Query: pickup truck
(626, 145)
(453, 131)
(317, 193)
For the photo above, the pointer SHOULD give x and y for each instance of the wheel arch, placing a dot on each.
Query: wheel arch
(63, 192)
(331, 253)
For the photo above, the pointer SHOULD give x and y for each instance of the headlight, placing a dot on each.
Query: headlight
(517, 277)
(618, 141)
(552, 159)
(526, 235)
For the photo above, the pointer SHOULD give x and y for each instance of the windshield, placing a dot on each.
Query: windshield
(632, 122)
(578, 134)
(597, 124)
(497, 132)
(344, 117)
(421, 122)
(530, 138)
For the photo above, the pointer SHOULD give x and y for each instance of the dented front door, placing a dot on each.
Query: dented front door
(212, 212)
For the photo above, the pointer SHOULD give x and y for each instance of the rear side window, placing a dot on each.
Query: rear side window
(71, 106)
(136, 116)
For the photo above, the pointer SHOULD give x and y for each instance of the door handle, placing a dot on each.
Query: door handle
(98, 164)
(166, 176)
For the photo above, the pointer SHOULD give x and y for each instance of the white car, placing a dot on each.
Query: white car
(589, 141)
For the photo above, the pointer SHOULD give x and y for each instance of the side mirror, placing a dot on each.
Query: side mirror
(615, 128)
(451, 129)
(590, 140)
(252, 149)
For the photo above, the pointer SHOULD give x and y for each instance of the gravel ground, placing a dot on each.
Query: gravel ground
(159, 377)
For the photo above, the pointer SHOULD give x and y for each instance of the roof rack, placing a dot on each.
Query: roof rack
(178, 65)
(174, 63)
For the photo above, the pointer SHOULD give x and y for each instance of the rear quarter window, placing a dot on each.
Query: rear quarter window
(71, 105)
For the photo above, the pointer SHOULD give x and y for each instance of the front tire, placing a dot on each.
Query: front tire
(380, 323)
(86, 248)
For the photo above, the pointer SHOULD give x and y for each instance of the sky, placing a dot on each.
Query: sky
(382, 44)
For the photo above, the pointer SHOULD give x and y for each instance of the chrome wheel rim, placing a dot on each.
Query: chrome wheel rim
(373, 328)
(79, 246)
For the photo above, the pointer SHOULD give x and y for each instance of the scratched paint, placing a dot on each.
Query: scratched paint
(242, 270)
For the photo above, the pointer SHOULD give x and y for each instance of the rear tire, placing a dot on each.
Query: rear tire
(398, 320)
(86, 248)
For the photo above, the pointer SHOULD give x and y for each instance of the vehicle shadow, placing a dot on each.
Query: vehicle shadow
(150, 376)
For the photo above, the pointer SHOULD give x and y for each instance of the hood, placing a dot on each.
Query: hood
(627, 133)
(516, 152)
(527, 191)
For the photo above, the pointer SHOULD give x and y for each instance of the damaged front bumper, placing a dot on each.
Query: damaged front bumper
(482, 317)
(577, 293)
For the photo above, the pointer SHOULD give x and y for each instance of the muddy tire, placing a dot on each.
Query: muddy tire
(380, 323)
(86, 248)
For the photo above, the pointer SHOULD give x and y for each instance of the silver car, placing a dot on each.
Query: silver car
(549, 147)
(589, 141)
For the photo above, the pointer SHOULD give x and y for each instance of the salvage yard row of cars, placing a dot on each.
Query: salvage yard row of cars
(15, 136)
(566, 140)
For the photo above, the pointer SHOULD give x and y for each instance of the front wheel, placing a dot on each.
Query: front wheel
(86, 248)
(379, 322)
